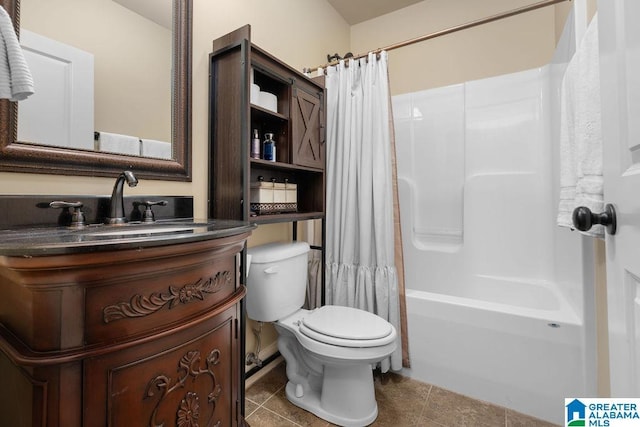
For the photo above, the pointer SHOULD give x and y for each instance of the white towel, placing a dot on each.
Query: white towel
(581, 182)
(156, 149)
(16, 83)
(121, 144)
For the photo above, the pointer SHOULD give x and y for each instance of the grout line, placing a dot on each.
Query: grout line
(261, 405)
(271, 396)
(426, 401)
(281, 416)
(251, 413)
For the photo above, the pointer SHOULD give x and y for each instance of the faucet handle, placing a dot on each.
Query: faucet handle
(60, 204)
(148, 216)
(77, 218)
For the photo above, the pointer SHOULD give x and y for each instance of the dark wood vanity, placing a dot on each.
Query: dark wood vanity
(132, 335)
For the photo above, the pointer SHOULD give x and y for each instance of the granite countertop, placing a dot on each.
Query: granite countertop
(43, 241)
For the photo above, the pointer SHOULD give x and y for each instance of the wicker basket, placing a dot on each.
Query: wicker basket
(270, 197)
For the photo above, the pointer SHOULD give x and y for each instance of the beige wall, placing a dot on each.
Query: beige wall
(513, 44)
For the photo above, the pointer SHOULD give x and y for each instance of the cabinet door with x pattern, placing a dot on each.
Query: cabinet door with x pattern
(307, 130)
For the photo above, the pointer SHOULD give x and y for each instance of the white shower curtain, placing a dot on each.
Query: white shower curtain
(360, 270)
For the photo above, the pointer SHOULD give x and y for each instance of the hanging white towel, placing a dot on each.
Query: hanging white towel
(581, 182)
(121, 144)
(16, 83)
(156, 149)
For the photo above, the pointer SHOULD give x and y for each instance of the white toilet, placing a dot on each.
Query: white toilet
(329, 351)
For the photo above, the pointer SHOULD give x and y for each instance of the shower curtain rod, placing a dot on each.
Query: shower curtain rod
(454, 29)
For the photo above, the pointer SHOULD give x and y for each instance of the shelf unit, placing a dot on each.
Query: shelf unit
(298, 126)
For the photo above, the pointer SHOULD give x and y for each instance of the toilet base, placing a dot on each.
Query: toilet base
(347, 397)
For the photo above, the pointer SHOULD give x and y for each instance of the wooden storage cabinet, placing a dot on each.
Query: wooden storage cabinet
(298, 128)
(134, 337)
(298, 125)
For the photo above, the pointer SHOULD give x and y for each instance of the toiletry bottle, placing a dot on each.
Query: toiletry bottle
(269, 148)
(255, 145)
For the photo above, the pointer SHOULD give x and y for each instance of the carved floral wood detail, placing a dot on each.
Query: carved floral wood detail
(188, 411)
(139, 305)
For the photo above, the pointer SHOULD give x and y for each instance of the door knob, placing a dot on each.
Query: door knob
(583, 218)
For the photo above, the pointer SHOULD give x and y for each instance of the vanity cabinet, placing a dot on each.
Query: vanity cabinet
(297, 120)
(140, 336)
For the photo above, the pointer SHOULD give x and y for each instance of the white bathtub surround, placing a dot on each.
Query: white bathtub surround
(502, 197)
(360, 270)
(499, 298)
(435, 121)
(509, 353)
(16, 82)
(581, 182)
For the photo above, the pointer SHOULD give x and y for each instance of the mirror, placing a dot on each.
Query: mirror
(33, 157)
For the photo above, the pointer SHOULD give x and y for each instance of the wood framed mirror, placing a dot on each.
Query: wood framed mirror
(33, 157)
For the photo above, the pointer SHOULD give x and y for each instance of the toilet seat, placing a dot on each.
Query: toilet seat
(346, 327)
(344, 350)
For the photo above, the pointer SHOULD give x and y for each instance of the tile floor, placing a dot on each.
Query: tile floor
(401, 402)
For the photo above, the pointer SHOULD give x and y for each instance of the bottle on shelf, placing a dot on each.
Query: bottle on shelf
(255, 145)
(269, 148)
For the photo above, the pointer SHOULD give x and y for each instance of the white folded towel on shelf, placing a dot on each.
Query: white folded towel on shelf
(156, 149)
(581, 181)
(16, 82)
(116, 143)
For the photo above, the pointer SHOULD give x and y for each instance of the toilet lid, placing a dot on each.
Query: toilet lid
(346, 326)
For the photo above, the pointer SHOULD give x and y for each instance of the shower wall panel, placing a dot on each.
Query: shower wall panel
(474, 159)
(434, 121)
(508, 192)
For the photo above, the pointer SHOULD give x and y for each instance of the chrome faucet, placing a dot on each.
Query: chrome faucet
(116, 208)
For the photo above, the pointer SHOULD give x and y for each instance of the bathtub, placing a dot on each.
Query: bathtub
(499, 298)
(521, 350)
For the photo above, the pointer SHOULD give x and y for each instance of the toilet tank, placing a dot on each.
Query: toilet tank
(277, 280)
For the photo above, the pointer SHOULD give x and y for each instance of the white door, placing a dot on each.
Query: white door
(60, 112)
(619, 32)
